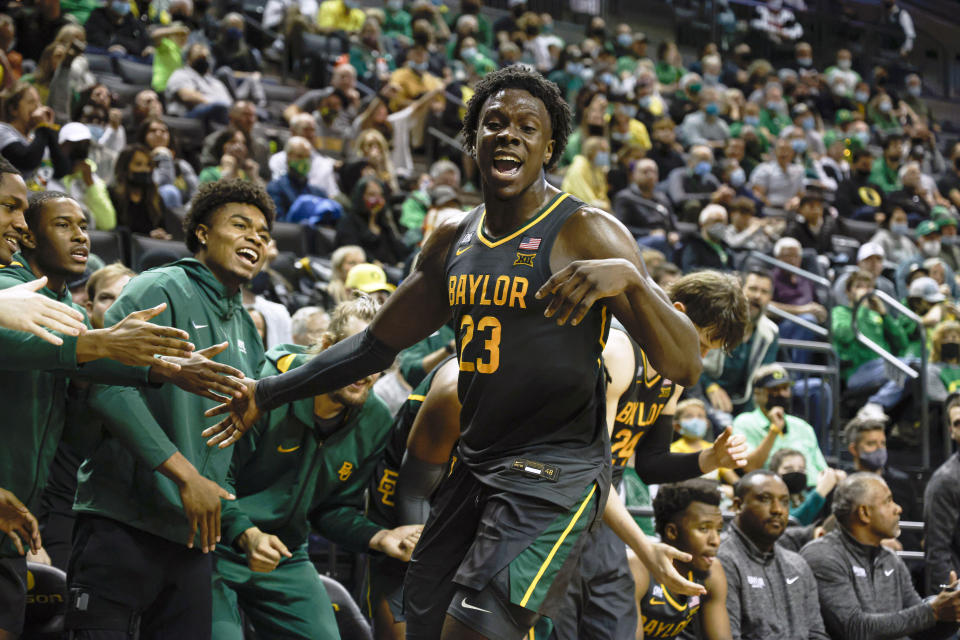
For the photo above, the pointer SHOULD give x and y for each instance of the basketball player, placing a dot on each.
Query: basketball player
(507, 524)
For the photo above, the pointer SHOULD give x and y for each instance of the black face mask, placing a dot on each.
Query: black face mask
(862, 173)
(201, 65)
(80, 151)
(956, 163)
(595, 130)
(141, 178)
(778, 401)
(533, 31)
(796, 481)
(950, 351)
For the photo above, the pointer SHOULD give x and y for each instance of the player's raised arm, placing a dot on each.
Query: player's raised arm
(596, 258)
(417, 309)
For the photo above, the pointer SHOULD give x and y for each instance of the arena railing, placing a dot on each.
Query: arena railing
(898, 370)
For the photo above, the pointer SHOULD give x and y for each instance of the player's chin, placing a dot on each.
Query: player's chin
(704, 562)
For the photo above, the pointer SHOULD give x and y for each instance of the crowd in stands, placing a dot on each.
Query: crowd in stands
(791, 168)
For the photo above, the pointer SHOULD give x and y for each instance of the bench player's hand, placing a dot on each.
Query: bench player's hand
(664, 572)
(134, 341)
(201, 504)
(21, 309)
(576, 287)
(397, 543)
(243, 412)
(18, 523)
(264, 550)
(946, 606)
(729, 451)
(199, 374)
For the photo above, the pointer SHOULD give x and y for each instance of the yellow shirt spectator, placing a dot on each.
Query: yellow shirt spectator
(586, 177)
(336, 15)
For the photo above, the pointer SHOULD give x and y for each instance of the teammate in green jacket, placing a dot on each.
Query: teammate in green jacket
(305, 462)
(151, 484)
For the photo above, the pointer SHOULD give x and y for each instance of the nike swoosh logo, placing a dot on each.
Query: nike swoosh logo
(463, 603)
(282, 450)
(459, 251)
(199, 326)
(889, 573)
(793, 579)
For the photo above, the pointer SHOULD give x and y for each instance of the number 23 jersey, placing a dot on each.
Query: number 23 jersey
(532, 391)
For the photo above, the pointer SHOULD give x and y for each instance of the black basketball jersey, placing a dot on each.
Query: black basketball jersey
(532, 391)
(637, 409)
(382, 490)
(665, 615)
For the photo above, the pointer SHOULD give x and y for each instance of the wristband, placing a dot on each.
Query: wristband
(713, 387)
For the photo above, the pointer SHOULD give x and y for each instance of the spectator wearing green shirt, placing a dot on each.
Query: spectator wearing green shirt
(944, 368)
(769, 427)
(861, 368)
(886, 169)
(398, 21)
(773, 115)
(669, 67)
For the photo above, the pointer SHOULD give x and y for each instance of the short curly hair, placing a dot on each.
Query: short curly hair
(520, 77)
(673, 499)
(213, 195)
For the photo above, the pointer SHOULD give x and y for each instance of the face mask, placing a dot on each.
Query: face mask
(574, 68)
(778, 401)
(950, 351)
(141, 178)
(374, 203)
(395, 5)
(861, 96)
(595, 129)
(845, 64)
(201, 65)
(796, 481)
(874, 460)
(629, 110)
(96, 131)
(751, 121)
(712, 109)
(956, 163)
(931, 248)
(800, 146)
(694, 427)
(620, 137)
(773, 105)
(121, 7)
(915, 90)
(299, 167)
(469, 53)
(885, 107)
(738, 177)
(701, 168)
(695, 88)
(608, 79)
(808, 123)
(80, 151)
(646, 100)
(899, 228)
(950, 240)
(533, 31)
(863, 137)
(602, 159)
(417, 66)
(710, 78)
(775, 5)
(716, 231)
(804, 62)
(625, 39)
(587, 74)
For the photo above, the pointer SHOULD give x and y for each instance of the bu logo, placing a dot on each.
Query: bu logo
(345, 470)
(525, 259)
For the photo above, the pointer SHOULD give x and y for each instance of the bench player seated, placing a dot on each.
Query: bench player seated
(688, 517)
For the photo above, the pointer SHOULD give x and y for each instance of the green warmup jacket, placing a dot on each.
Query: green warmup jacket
(287, 477)
(411, 358)
(145, 427)
(882, 329)
(33, 376)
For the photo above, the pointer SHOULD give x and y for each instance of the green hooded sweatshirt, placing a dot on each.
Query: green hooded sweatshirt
(286, 475)
(33, 375)
(145, 427)
(882, 329)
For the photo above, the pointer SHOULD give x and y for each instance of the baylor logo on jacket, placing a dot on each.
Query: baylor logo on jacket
(345, 470)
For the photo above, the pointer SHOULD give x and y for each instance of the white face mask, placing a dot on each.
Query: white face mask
(845, 63)
(931, 248)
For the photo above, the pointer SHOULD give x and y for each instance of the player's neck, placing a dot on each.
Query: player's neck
(326, 408)
(55, 282)
(503, 216)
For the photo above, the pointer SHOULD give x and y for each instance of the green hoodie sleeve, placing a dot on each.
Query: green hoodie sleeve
(127, 417)
(233, 520)
(23, 350)
(896, 336)
(808, 510)
(842, 325)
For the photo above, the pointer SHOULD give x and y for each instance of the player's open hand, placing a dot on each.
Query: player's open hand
(21, 309)
(397, 543)
(199, 374)
(201, 504)
(264, 550)
(576, 287)
(946, 606)
(666, 574)
(18, 523)
(243, 412)
(134, 341)
(729, 451)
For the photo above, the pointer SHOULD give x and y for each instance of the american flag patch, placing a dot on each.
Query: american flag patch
(529, 244)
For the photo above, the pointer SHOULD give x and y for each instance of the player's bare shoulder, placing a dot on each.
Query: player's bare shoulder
(436, 248)
(591, 233)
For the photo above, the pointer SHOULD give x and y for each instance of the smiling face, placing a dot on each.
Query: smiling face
(234, 243)
(13, 202)
(514, 142)
(58, 245)
(354, 395)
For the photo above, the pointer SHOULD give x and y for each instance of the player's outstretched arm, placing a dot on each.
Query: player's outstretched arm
(22, 309)
(595, 258)
(417, 309)
(135, 342)
(657, 557)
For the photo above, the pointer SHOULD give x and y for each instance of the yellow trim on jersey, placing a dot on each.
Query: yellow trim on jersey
(603, 326)
(646, 367)
(496, 243)
(13, 263)
(284, 363)
(673, 603)
(416, 398)
(531, 635)
(556, 546)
